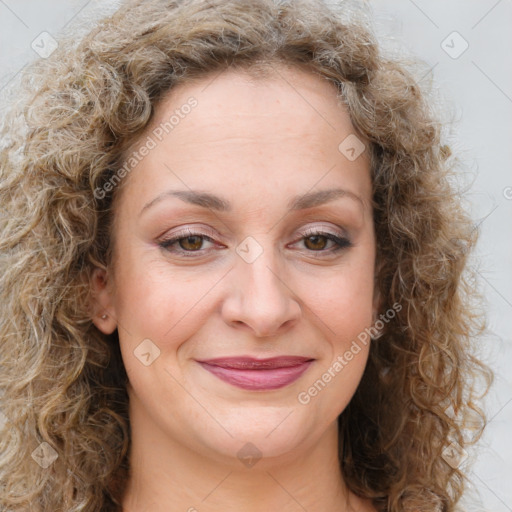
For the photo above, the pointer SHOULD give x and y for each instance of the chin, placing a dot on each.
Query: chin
(267, 432)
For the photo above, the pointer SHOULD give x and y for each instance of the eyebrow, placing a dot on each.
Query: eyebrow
(213, 202)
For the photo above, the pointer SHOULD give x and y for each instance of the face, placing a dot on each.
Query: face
(244, 265)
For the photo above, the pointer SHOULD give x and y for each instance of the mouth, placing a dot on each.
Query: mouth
(258, 374)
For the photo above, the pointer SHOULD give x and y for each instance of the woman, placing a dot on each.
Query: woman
(234, 272)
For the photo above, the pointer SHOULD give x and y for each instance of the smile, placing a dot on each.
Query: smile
(258, 374)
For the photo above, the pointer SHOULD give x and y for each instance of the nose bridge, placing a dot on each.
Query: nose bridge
(262, 277)
(264, 301)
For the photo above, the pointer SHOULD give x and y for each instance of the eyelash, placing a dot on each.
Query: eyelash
(166, 243)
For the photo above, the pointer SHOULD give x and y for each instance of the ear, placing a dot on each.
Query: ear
(377, 303)
(102, 305)
(377, 296)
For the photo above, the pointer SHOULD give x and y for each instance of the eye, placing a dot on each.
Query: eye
(187, 241)
(318, 241)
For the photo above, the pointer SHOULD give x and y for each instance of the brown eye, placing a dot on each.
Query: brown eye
(315, 242)
(191, 243)
(187, 242)
(323, 242)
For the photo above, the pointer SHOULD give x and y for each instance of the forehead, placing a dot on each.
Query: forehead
(283, 129)
(281, 93)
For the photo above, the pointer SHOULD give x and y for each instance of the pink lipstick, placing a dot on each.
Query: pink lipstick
(258, 374)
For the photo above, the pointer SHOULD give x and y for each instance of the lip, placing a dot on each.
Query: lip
(258, 374)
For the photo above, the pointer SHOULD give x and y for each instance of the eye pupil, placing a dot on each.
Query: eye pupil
(195, 242)
(318, 242)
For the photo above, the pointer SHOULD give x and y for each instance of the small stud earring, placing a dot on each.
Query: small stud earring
(103, 316)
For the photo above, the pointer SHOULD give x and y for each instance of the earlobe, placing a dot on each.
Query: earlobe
(103, 315)
(377, 303)
(377, 295)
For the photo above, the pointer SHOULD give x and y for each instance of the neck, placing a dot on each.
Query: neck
(167, 476)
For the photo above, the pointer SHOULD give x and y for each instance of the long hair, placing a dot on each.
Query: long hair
(65, 438)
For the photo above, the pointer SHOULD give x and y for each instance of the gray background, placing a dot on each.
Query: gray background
(474, 86)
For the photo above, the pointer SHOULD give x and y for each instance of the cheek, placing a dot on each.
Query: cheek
(344, 298)
(344, 307)
(166, 307)
(157, 314)
(354, 305)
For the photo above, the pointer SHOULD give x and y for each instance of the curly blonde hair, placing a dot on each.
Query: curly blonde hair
(63, 381)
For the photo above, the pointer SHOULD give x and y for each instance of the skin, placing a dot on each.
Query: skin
(257, 144)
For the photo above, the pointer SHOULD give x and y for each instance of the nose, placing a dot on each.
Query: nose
(260, 298)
